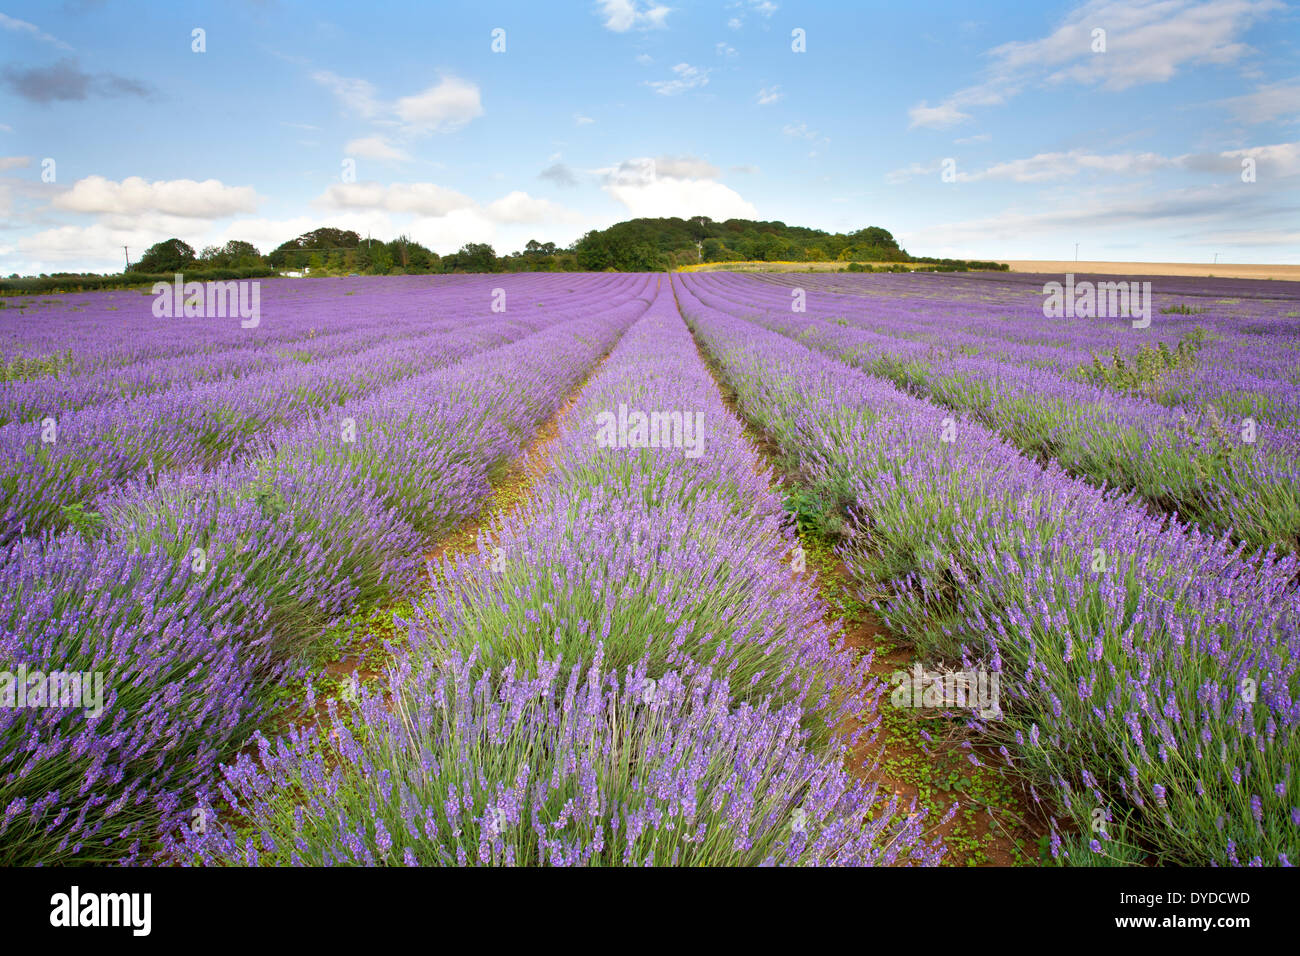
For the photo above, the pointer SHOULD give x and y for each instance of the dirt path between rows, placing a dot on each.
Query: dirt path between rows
(367, 654)
(995, 824)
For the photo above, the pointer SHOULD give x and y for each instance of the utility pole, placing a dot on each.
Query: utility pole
(127, 252)
(1216, 258)
(1076, 252)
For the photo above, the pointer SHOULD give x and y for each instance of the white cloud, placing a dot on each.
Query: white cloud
(422, 199)
(935, 117)
(894, 177)
(684, 167)
(133, 196)
(430, 201)
(519, 207)
(1147, 41)
(355, 95)
(1201, 210)
(1274, 161)
(801, 131)
(1046, 167)
(685, 77)
(375, 147)
(580, 120)
(1269, 102)
(31, 29)
(14, 162)
(764, 8)
(977, 138)
(95, 244)
(674, 186)
(623, 15)
(448, 105)
(769, 95)
(724, 49)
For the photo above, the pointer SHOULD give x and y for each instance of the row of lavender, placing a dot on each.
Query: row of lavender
(1247, 350)
(193, 598)
(624, 673)
(119, 330)
(1194, 467)
(134, 352)
(1256, 324)
(67, 449)
(1148, 670)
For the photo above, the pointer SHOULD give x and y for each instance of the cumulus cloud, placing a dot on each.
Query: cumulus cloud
(684, 167)
(447, 105)
(422, 199)
(430, 201)
(519, 207)
(375, 147)
(135, 196)
(769, 95)
(674, 186)
(14, 162)
(623, 15)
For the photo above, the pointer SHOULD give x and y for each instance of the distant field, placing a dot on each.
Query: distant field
(1220, 270)
(757, 266)
(1210, 270)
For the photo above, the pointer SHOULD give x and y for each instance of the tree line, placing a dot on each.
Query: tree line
(637, 245)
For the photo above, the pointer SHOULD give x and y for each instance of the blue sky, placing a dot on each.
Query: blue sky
(599, 111)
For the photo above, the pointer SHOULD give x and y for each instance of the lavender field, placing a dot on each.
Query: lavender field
(565, 569)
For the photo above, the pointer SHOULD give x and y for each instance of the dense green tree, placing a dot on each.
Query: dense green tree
(472, 257)
(293, 254)
(170, 255)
